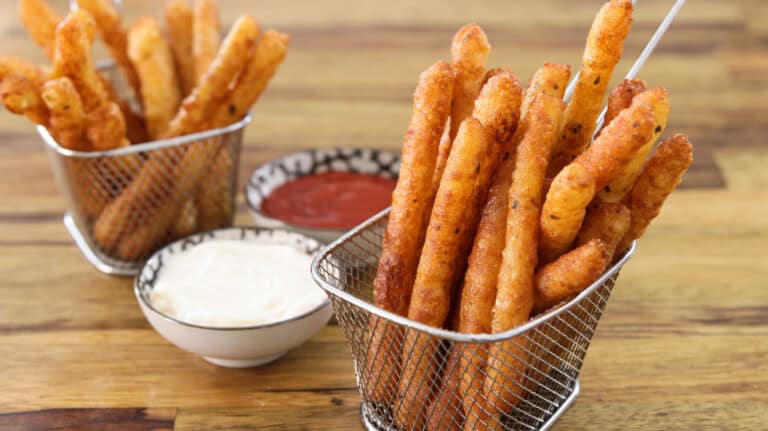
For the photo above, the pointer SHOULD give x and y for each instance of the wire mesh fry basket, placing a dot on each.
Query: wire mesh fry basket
(539, 361)
(157, 191)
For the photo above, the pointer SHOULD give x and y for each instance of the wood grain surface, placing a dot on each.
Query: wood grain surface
(684, 341)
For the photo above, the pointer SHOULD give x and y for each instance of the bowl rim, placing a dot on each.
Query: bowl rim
(148, 304)
(284, 224)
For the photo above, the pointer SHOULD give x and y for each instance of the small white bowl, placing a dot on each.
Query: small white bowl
(235, 347)
(277, 172)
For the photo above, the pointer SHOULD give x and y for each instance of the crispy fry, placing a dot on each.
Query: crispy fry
(445, 412)
(564, 207)
(113, 33)
(405, 229)
(216, 207)
(264, 61)
(569, 274)
(67, 120)
(469, 55)
(186, 221)
(608, 222)
(662, 173)
(448, 225)
(205, 36)
(615, 148)
(22, 97)
(152, 59)
(178, 17)
(514, 296)
(498, 105)
(135, 127)
(615, 190)
(106, 128)
(21, 67)
(40, 21)
(621, 97)
(605, 44)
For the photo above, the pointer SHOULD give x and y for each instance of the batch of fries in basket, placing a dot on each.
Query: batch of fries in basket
(505, 208)
(190, 81)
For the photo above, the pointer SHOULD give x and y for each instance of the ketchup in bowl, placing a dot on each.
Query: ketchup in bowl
(331, 200)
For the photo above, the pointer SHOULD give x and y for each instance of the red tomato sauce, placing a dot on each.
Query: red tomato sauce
(331, 200)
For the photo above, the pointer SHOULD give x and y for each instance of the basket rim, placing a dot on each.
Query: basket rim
(444, 333)
(144, 146)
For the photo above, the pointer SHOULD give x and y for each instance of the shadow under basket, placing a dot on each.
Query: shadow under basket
(536, 366)
(125, 204)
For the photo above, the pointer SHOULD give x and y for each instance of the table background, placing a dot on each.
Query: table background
(683, 343)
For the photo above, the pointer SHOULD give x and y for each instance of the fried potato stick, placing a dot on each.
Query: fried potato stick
(571, 273)
(135, 127)
(621, 97)
(178, 18)
(113, 33)
(205, 36)
(40, 21)
(605, 43)
(514, 295)
(448, 225)
(617, 145)
(608, 222)
(21, 67)
(215, 207)
(659, 178)
(22, 97)
(469, 55)
(615, 190)
(445, 412)
(186, 220)
(67, 120)
(152, 59)
(406, 225)
(563, 211)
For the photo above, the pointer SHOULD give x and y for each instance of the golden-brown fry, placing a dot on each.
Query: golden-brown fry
(514, 295)
(569, 274)
(205, 36)
(605, 43)
(407, 220)
(564, 207)
(437, 271)
(40, 21)
(105, 128)
(186, 220)
(22, 97)
(264, 61)
(135, 127)
(21, 67)
(498, 105)
(445, 412)
(67, 120)
(178, 17)
(615, 190)
(113, 33)
(215, 207)
(621, 97)
(211, 91)
(608, 222)
(618, 143)
(469, 55)
(152, 59)
(661, 175)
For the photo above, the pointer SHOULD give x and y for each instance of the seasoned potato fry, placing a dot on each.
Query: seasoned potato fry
(106, 128)
(152, 59)
(615, 190)
(135, 126)
(22, 97)
(186, 220)
(216, 207)
(405, 229)
(569, 274)
(67, 120)
(564, 207)
(113, 33)
(437, 270)
(445, 412)
(514, 295)
(21, 67)
(205, 36)
(608, 222)
(497, 106)
(621, 97)
(605, 44)
(178, 17)
(40, 21)
(617, 145)
(662, 173)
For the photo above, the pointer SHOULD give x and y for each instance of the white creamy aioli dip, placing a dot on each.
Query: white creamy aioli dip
(226, 283)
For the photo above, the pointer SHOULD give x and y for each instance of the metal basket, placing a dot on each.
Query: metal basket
(545, 355)
(185, 174)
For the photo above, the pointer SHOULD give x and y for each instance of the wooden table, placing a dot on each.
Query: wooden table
(683, 343)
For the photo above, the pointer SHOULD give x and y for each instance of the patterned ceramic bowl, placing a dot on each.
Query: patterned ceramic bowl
(237, 346)
(273, 174)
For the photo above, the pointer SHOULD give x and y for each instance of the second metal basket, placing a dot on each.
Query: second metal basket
(539, 362)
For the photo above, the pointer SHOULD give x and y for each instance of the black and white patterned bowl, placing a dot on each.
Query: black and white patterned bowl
(246, 346)
(273, 174)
